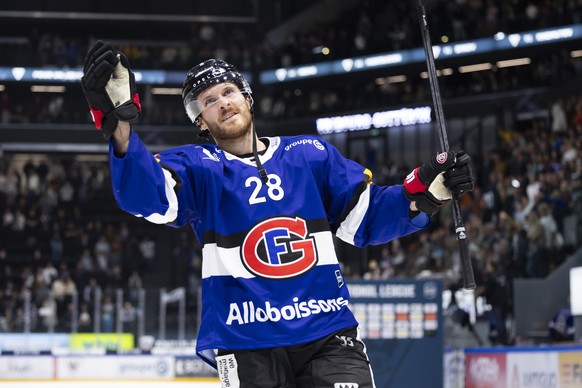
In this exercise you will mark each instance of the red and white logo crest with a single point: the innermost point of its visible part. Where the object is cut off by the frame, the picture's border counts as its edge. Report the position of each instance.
(441, 158)
(279, 248)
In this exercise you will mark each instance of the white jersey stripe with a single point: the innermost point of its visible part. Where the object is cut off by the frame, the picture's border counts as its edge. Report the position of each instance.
(172, 211)
(265, 157)
(359, 338)
(227, 262)
(349, 227)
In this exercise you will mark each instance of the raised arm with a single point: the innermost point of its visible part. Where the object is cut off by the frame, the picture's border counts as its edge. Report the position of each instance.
(120, 138)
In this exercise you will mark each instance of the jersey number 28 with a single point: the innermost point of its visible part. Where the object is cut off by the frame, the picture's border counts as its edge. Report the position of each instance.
(274, 189)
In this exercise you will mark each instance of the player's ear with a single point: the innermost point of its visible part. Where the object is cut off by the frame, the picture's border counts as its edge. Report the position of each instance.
(201, 124)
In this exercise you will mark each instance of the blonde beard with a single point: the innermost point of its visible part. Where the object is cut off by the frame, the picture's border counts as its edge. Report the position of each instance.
(232, 134)
(219, 133)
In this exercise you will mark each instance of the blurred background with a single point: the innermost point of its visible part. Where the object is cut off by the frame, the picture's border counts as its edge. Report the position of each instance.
(350, 71)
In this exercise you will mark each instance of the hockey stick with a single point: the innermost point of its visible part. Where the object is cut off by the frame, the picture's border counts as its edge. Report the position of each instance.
(466, 266)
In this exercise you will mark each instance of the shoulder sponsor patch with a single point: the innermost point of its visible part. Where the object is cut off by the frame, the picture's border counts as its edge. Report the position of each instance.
(314, 142)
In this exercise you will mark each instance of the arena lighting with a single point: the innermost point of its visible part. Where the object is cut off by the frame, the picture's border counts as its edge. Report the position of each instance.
(57, 74)
(321, 50)
(443, 72)
(382, 119)
(513, 62)
(167, 91)
(475, 67)
(515, 183)
(297, 72)
(576, 53)
(396, 79)
(391, 79)
(47, 89)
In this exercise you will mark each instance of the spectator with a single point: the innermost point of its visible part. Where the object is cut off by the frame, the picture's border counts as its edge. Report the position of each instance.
(519, 247)
(496, 290)
(536, 243)
(48, 312)
(86, 261)
(559, 121)
(553, 240)
(107, 315)
(59, 292)
(147, 247)
(85, 320)
(134, 285)
(102, 252)
(128, 317)
(49, 274)
(91, 292)
(56, 244)
(561, 326)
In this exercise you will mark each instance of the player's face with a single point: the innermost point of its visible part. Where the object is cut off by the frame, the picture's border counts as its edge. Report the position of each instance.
(225, 111)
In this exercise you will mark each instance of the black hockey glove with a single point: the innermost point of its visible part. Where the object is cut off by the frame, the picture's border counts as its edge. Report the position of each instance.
(425, 184)
(459, 179)
(109, 86)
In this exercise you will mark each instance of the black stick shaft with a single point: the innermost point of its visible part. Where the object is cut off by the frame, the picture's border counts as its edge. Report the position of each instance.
(466, 266)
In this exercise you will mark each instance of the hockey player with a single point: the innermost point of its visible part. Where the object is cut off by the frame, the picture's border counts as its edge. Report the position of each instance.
(274, 301)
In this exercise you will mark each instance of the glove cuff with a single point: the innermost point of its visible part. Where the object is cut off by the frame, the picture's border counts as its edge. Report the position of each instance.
(413, 182)
(109, 125)
(129, 111)
(425, 202)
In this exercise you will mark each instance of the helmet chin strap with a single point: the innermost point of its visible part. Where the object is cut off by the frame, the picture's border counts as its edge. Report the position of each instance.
(262, 172)
(205, 134)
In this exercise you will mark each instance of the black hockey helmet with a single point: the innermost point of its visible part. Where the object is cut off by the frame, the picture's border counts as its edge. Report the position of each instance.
(206, 74)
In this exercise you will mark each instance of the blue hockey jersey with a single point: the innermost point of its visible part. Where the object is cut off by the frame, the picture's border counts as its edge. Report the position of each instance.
(270, 275)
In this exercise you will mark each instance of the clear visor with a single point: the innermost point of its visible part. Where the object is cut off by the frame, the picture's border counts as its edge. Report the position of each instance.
(196, 106)
(192, 108)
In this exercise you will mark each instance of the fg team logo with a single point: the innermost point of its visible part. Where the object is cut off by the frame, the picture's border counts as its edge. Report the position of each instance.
(279, 248)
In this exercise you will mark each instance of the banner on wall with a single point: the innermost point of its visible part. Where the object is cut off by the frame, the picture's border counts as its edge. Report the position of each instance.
(454, 368)
(523, 367)
(401, 325)
(115, 367)
(532, 369)
(485, 370)
(107, 341)
(32, 342)
(26, 367)
(570, 369)
(192, 366)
